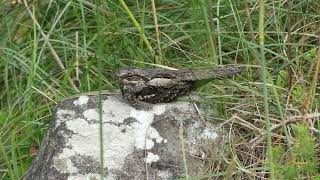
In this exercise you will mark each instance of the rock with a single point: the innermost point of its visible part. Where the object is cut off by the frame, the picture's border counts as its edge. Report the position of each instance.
(136, 144)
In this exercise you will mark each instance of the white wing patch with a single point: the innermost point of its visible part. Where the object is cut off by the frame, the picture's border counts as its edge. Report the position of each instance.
(164, 82)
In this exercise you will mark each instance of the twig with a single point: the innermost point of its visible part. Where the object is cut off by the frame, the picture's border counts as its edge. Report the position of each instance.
(53, 52)
(250, 26)
(197, 109)
(307, 102)
(93, 6)
(289, 27)
(291, 120)
(138, 27)
(146, 153)
(77, 56)
(212, 26)
(155, 20)
(212, 46)
(248, 125)
(44, 94)
(183, 150)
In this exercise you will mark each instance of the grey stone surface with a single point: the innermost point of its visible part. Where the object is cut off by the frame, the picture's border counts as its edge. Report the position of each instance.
(137, 144)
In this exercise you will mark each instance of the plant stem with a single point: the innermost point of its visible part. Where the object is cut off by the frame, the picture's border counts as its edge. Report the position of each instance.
(138, 27)
(263, 73)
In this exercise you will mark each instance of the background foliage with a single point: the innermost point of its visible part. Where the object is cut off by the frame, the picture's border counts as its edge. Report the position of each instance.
(50, 50)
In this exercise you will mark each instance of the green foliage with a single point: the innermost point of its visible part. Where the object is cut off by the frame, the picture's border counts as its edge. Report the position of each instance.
(282, 79)
(301, 160)
(298, 93)
(98, 37)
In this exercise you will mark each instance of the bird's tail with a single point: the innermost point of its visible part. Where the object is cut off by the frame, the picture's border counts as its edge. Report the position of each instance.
(219, 72)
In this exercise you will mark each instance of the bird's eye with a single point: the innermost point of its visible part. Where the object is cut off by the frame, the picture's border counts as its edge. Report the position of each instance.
(135, 78)
(124, 74)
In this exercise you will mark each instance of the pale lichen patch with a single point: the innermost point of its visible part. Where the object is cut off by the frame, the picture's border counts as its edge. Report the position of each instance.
(64, 115)
(164, 174)
(91, 114)
(86, 141)
(152, 158)
(159, 109)
(145, 134)
(81, 101)
(118, 144)
(115, 111)
(209, 134)
(89, 176)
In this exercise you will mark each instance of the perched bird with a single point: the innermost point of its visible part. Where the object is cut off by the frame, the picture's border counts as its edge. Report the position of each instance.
(143, 87)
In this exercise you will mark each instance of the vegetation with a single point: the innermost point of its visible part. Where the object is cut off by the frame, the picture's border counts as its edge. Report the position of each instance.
(50, 50)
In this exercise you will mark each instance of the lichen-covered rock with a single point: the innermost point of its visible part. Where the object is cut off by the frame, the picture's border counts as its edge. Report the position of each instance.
(162, 143)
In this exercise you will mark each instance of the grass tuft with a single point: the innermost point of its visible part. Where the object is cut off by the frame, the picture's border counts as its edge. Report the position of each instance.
(51, 50)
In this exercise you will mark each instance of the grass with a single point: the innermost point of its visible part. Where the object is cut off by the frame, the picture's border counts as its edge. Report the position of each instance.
(51, 50)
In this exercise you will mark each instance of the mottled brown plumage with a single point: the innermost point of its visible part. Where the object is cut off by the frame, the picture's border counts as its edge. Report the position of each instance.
(142, 87)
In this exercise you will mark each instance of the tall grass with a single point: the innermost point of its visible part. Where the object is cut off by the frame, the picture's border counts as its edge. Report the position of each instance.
(51, 50)
(263, 74)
